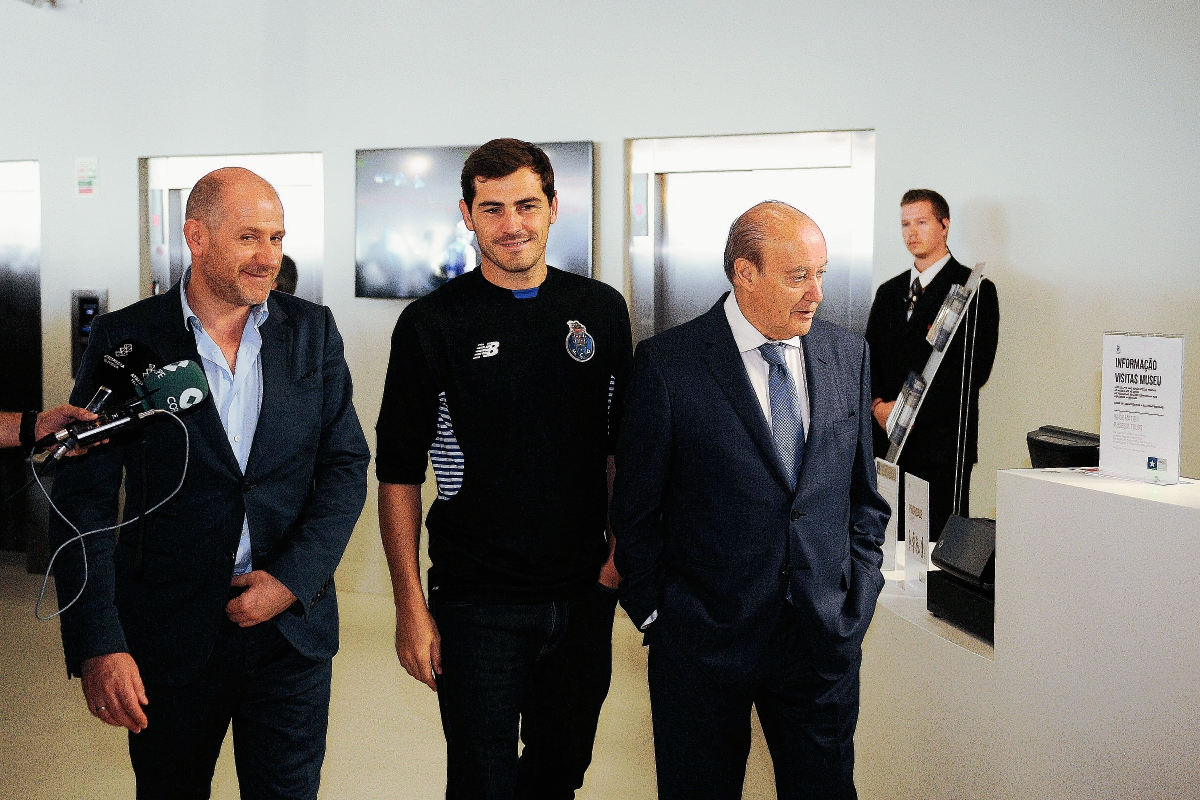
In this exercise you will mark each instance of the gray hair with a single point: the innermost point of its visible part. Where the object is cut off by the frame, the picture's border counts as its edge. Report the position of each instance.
(749, 231)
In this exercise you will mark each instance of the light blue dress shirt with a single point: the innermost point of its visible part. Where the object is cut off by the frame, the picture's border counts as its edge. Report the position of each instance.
(238, 395)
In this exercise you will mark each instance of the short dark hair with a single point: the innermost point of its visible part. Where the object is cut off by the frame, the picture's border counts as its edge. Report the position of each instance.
(748, 232)
(204, 201)
(288, 276)
(941, 208)
(500, 158)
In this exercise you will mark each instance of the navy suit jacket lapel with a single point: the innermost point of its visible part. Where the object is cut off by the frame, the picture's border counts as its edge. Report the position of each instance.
(727, 367)
(819, 377)
(176, 342)
(276, 355)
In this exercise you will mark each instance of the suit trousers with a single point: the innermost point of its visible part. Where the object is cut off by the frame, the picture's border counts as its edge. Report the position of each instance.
(702, 727)
(539, 671)
(278, 702)
(941, 495)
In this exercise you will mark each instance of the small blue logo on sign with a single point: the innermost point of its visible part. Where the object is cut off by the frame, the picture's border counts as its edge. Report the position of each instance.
(580, 344)
(1151, 463)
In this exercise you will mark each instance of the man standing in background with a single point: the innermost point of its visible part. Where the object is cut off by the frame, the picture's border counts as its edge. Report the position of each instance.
(944, 438)
(510, 377)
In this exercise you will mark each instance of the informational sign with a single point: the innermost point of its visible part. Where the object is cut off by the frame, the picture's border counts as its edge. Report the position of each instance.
(916, 533)
(87, 171)
(1141, 407)
(889, 487)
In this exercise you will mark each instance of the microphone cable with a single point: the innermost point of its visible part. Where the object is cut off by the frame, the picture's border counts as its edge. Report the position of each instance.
(47, 463)
(79, 537)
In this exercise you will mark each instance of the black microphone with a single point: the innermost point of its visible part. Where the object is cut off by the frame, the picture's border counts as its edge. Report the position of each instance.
(120, 373)
(174, 388)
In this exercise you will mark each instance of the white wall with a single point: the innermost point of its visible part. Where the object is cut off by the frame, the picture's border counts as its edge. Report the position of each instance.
(1062, 134)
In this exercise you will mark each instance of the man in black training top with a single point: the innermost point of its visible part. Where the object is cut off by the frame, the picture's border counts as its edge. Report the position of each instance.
(510, 377)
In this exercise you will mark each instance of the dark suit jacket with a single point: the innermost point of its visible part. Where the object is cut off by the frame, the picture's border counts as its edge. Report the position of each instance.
(703, 515)
(303, 490)
(898, 347)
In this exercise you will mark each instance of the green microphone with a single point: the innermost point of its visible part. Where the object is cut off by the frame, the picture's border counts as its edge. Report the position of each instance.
(175, 387)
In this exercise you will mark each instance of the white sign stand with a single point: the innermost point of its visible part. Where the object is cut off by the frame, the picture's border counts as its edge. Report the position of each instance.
(889, 487)
(1141, 407)
(916, 534)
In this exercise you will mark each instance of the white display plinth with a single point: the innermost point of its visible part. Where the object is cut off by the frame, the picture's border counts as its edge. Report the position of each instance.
(1091, 689)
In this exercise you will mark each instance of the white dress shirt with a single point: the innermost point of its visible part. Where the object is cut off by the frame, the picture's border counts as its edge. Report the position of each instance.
(748, 340)
(929, 273)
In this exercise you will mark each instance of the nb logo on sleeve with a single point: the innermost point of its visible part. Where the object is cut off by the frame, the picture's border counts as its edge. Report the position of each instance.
(486, 350)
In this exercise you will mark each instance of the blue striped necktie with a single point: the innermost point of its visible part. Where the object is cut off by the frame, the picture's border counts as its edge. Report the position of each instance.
(787, 426)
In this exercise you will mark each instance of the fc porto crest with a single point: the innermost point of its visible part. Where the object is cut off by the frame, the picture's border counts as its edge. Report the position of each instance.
(580, 344)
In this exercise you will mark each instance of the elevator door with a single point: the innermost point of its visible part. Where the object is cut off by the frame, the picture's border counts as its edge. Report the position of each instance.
(699, 207)
(686, 192)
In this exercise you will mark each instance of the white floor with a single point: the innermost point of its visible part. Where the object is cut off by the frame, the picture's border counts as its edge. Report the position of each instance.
(385, 738)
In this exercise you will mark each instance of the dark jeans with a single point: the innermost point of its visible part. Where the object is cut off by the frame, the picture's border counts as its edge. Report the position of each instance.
(537, 671)
(278, 702)
(702, 728)
(941, 495)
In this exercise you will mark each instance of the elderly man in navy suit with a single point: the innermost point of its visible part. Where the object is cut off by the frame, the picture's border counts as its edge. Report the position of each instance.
(748, 524)
(219, 607)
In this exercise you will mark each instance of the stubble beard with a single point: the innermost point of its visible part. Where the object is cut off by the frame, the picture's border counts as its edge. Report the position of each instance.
(512, 267)
(232, 292)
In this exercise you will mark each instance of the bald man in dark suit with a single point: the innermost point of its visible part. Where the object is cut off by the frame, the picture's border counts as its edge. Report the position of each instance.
(748, 525)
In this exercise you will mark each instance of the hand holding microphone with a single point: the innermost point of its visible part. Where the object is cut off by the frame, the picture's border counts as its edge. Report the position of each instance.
(119, 375)
(52, 419)
(174, 388)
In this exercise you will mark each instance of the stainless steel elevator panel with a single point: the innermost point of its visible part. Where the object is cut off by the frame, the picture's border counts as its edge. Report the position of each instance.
(20, 285)
(20, 333)
(696, 187)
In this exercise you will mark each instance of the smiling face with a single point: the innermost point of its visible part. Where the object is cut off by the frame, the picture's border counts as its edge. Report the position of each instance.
(779, 297)
(924, 234)
(237, 249)
(511, 218)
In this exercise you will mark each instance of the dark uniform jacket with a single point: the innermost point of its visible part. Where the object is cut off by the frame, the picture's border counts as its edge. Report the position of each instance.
(898, 347)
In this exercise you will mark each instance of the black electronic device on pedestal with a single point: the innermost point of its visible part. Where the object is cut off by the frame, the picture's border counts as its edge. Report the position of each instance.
(1050, 446)
(963, 590)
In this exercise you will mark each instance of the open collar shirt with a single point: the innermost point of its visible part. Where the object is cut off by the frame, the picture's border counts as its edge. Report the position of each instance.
(238, 395)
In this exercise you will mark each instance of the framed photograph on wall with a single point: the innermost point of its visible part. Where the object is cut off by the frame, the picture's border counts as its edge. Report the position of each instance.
(409, 236)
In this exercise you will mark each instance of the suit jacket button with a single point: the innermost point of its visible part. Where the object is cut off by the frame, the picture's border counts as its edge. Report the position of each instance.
(232, 556)
(797, 515)
(246, 487)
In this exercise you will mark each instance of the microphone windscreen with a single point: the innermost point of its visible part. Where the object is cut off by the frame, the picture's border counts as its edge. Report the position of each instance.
(123, 368)
(176, 386)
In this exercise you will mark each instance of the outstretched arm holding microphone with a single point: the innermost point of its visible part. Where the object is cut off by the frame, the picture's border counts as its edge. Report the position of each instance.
(23, 429)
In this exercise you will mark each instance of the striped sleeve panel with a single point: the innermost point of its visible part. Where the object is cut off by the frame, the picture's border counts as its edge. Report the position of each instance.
(446, 455)
(612, 387)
